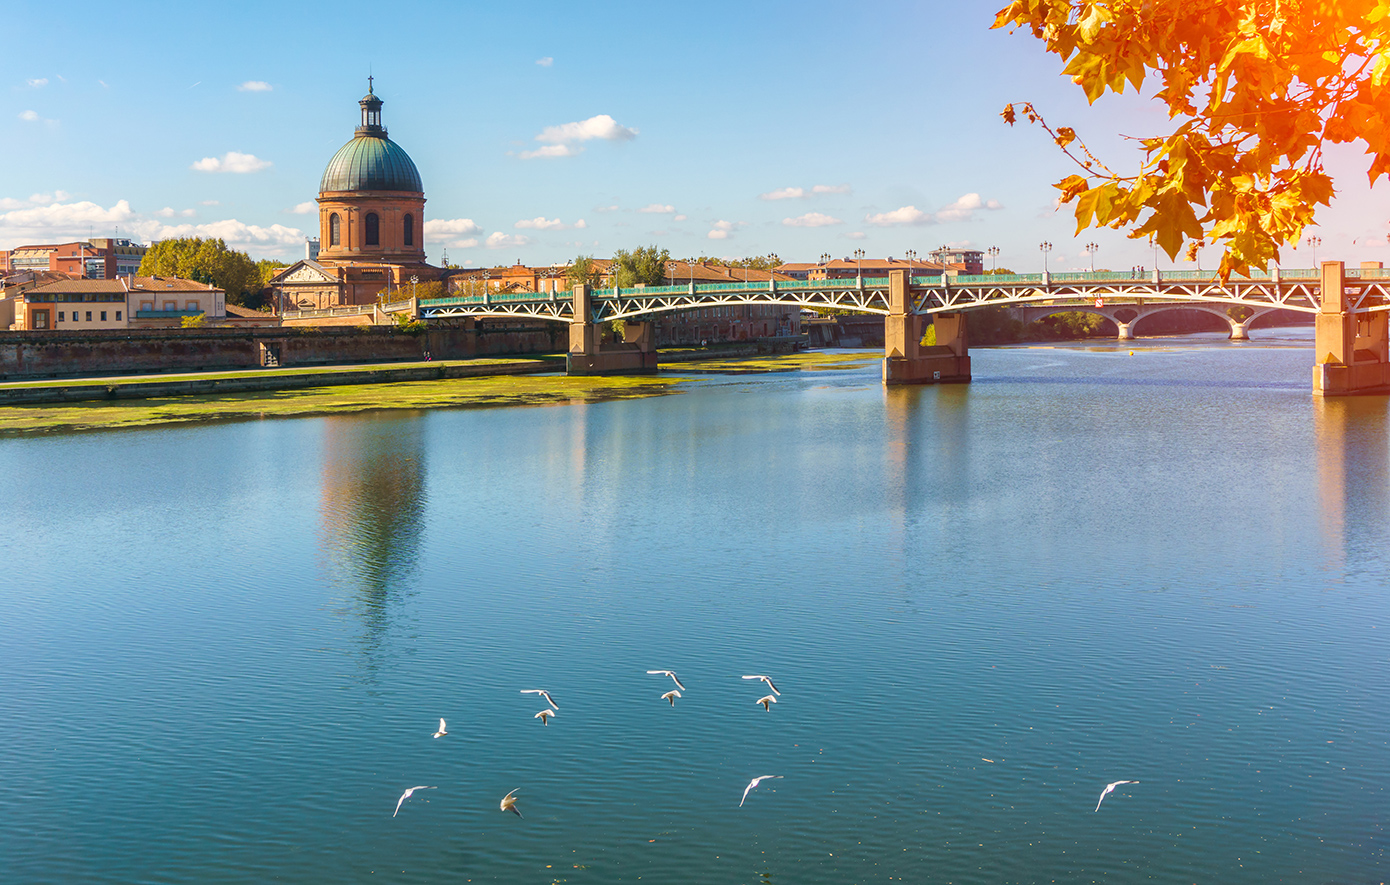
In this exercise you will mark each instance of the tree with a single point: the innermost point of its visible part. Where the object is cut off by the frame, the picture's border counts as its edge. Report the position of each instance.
(645, 265)
(755, 262)
(207, 261)
(1256, 88)
(582, 271)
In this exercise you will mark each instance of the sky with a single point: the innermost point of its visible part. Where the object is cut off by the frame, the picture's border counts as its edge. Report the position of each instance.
(544, 130)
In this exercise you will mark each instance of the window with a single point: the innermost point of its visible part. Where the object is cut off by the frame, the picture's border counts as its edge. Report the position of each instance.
(40, 319)
(103, 316)
(191, 305)
(89, 316)
(168, 305)
(409, 230)
(147, 305)
(371, 230)
(60, 316)
(118, 316)
(335, 229)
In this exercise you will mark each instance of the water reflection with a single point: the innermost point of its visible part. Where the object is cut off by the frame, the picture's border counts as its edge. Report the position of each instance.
(1353, 474)
(373, 511)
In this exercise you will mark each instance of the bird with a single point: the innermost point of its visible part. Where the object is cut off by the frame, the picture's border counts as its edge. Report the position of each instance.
(667, 673)
(543, 693)
(441, 732)
(509, 803)
(767, 701)
(1110, 788)
(671, 696)
(753, 783)
(406, 795)
(768, 681)
(544, 716)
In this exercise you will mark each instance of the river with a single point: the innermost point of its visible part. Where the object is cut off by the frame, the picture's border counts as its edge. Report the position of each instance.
(225, 646)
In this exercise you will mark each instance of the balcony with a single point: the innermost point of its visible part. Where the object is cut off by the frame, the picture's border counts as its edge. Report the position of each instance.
(165, 314)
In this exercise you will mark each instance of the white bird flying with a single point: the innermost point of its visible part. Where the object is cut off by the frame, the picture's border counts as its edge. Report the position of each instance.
(753, 783)
(768, 681)
(671, 696)
(509, 802)
(767, 701)
(406, 795)
(543, 693)
(441, 732)
(667, 673)
(544, 716)
(1110, 788)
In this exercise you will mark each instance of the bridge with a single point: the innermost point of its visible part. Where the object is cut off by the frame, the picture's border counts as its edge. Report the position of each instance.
(1350, 308)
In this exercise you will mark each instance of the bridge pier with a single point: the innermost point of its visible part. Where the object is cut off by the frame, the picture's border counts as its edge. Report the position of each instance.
(905, 360)
(1126, 330)
(1353, 349)
(1240, 331)
(592, 350)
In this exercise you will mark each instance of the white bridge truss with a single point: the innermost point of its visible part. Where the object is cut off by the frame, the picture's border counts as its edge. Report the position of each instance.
(1368, 291)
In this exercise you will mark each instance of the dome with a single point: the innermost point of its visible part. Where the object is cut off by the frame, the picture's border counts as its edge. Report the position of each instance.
(371, 163)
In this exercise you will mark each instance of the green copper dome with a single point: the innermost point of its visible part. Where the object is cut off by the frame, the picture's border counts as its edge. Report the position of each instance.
(371, 161)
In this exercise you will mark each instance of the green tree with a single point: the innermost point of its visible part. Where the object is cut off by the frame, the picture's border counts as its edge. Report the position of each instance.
(645, 265)
(207, 261)
(755, 262)
(582, 271)
(194, 322)
(1255, 88)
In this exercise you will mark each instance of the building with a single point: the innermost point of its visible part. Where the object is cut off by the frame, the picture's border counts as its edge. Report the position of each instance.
(100, 258)
(165, 301)
(72, 305)
(371, 226)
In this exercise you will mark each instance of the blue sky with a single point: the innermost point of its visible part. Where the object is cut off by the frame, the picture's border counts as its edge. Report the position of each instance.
(547, 129)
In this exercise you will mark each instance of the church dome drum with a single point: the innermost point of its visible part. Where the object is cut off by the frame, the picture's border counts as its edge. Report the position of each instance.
(371, 163)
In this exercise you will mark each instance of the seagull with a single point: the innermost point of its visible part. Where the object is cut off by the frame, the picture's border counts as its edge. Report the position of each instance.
(406, 795)
(509, 803)
(441, 732)
(767, 701)
(1110, 788)
(753, 783)
(667, 673)
(543, 693)
(768, 681)
(671, 696)
(544, 716)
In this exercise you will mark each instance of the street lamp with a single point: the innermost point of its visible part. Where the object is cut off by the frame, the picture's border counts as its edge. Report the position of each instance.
(1045, 247)
(993, 257)
(1092, 249)
(1315, 242)
(911, 259)
(858, 262)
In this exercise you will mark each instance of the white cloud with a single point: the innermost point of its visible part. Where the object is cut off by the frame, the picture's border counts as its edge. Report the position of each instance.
(46, 199)
(856, 235)
(468, 243)
(170, 212)
(541, 223)
(237, 234)
(658, 209)
(442, 227)
(784, 193)
(602, 127)
(255, 86)
(718, 235)
(545, 62)
(499, 240)
(308, 207)
(723, 229)
(232, 161)
(680, 218)
(56, 220)
(580, 224)
(612, 208)
(38, 83)
(551, 151)
(905, 215)
(811, 219)
(29, 116)
(798, 193)
(210, 203)
(963, 209)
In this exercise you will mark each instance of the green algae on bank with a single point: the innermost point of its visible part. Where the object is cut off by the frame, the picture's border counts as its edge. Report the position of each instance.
(803, 361)
(502, 390)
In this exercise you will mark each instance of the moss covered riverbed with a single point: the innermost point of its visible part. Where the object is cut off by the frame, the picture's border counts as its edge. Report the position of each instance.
(504, 390)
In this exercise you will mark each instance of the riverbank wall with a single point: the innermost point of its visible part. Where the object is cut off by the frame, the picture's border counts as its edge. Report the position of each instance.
(26, 355)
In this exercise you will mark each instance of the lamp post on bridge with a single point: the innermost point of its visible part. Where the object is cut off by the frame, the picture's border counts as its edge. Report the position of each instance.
(993, 258)
(911, 260)
(1091, 250)
(1315, 242)
(858, 263)
(1045, 247)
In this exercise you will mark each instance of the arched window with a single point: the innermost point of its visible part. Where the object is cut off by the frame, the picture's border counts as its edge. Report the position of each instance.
(409, 230)
(372, 230)
(335, 230)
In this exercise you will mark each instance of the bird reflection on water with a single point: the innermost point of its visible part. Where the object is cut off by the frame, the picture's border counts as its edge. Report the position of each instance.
(373, 511)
